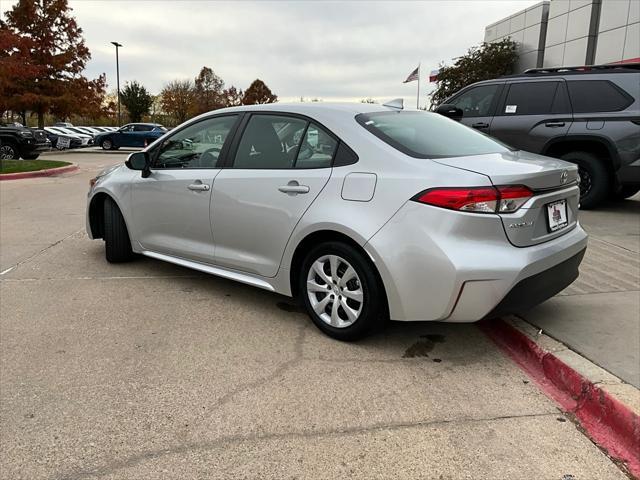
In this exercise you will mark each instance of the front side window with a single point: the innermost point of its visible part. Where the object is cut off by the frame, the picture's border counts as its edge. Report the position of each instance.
(477, 101)
(127, 128)
(530, 98)
(270, 142)
(428, 135)
(197, 146)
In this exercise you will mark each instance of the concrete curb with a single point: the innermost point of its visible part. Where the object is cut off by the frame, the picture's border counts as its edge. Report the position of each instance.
(39, 173)
(609, 422)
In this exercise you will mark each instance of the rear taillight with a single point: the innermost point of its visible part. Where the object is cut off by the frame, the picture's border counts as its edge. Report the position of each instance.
(505, 199)
(512, 198)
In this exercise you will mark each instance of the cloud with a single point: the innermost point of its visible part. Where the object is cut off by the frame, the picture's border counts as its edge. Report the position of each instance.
(332, 50)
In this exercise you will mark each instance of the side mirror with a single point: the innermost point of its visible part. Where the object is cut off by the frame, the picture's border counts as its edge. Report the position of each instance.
(450, 111)
(139, 161)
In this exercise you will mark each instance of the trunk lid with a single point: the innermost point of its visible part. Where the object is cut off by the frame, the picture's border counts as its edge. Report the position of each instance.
(518, 168)
(551, 180)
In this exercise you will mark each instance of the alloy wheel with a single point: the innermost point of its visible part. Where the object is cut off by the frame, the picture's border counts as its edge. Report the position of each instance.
(7, 152)
(585, 181)
(106, 144)
(335, 291)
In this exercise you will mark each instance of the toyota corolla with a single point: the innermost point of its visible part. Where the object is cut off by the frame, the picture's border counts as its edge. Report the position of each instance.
(363, 212)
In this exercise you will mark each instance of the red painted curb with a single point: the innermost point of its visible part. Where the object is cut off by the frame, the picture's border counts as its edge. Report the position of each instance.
(610, 423)
(39, 173)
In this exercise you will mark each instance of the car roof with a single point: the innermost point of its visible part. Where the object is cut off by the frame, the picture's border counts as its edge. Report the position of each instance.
(310, 108)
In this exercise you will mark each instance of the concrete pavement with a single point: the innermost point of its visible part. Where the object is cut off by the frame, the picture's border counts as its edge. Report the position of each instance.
(148, 370)
(599, 315)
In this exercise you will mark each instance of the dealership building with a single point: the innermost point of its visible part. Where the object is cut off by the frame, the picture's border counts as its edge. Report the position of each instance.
(572, 32)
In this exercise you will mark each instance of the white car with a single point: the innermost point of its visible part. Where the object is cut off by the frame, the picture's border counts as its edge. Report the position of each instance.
(85, 139)
(364, 212)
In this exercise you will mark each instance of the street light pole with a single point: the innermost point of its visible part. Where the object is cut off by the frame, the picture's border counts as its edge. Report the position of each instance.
(117, 45)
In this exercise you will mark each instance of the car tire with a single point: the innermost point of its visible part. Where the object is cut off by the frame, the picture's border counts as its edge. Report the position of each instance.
(31, 156)
(8, 151)
(116, 236)
(625, 191)
(350, 319)
(595, 181)
(106, 144)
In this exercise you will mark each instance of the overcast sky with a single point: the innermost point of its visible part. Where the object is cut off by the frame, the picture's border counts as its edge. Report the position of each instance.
(327, 49)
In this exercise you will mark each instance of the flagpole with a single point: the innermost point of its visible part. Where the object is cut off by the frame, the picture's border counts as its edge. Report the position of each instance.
(418, 95)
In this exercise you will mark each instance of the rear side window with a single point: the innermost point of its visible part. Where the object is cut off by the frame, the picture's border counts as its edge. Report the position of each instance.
(270, 142)
(317, 149)
(530, 98)
(597, 96)
(428, 135)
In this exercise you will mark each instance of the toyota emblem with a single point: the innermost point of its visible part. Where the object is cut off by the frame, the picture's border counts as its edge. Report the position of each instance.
(564, 176)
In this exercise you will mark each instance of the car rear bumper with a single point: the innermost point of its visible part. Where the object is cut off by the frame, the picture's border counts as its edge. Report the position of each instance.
(537, 288)
(437, 264)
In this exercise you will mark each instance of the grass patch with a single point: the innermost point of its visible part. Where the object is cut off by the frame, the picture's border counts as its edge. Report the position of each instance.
(16, 166)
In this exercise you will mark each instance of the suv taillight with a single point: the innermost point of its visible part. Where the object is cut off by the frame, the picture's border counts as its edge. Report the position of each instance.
(504, 199)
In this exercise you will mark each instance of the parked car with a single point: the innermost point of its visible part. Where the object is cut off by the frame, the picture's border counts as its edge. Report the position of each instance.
(63, 124)
(86, 139)
(17, 142)
(589, 116)
(88, 130)
(131, 135)
(69, 140)
(357, 209)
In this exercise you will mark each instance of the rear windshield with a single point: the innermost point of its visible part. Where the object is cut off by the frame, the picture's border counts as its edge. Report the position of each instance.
(428, 135)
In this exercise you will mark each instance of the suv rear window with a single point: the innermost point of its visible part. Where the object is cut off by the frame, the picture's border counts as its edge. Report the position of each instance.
(597, 96)
(428, 135)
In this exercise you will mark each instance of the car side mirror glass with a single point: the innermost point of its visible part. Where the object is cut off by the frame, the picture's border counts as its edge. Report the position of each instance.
(139, 161)
(451, 111)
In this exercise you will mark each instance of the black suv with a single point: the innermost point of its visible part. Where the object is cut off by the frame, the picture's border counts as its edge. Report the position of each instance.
(17, 141)
(589, 116)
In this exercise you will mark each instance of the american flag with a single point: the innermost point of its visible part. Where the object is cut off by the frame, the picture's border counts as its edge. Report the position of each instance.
(413, 76)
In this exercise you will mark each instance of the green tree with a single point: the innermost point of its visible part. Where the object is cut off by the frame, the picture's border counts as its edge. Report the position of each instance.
(50, 51)
(137, 100)
(258, 93)
(484, 62)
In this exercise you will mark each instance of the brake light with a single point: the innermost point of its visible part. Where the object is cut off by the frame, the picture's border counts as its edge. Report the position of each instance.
(513, 197)
(505, 199)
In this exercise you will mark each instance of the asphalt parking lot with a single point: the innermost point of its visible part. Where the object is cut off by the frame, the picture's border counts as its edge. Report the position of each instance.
(148, 370)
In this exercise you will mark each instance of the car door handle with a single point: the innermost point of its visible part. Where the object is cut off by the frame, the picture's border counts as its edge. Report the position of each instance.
(293, 188)
(480, 125)
(554, 124)
(199, 187)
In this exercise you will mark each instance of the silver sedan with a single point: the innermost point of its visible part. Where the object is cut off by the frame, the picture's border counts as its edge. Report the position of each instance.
(363, 212)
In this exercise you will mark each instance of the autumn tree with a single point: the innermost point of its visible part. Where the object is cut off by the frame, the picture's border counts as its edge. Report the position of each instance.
(232, 97)
(487, 61)
(15, 66)
(208, 91)
(136, 99)
(50, 54)
(178, 99)
(258, 93)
